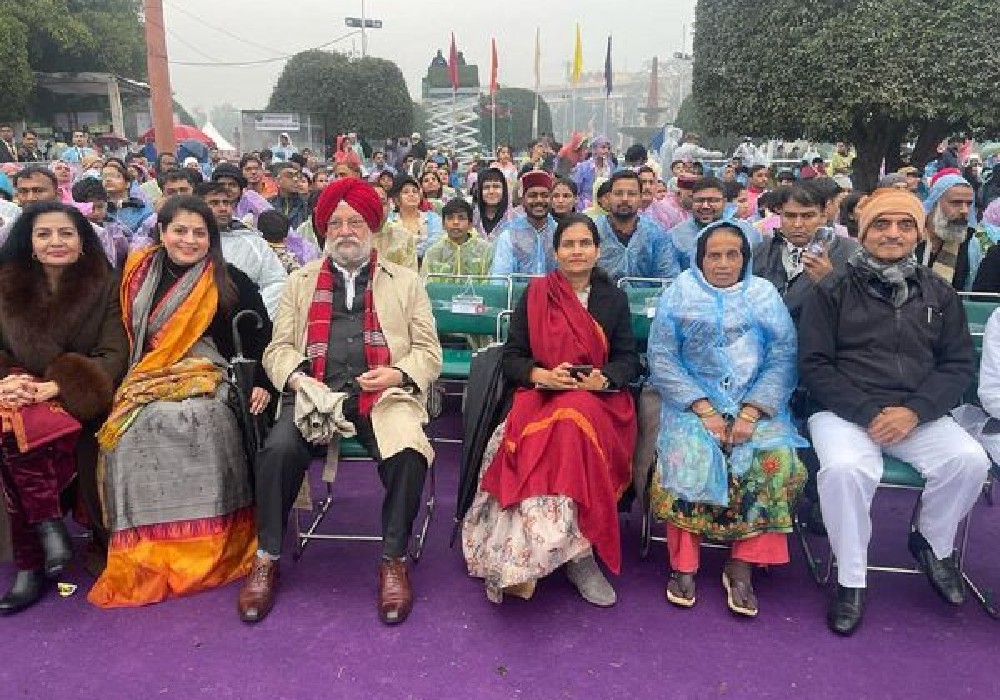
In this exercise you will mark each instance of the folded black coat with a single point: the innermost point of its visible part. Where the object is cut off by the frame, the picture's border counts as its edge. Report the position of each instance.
(488, 399)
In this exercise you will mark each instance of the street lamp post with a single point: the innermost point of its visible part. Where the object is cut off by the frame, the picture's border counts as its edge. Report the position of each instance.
(363, 23)
(364, 34)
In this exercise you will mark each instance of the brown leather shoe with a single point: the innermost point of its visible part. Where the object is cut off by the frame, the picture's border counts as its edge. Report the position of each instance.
(395, 599)
(259, 590)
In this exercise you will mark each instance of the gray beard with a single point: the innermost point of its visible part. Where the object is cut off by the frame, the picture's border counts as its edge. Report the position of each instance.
(350, 262)
(947, 230)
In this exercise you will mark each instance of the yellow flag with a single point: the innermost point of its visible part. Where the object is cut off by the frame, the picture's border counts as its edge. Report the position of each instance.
(577, 58)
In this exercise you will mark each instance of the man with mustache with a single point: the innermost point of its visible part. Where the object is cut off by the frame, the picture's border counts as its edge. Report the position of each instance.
(525, 245)
(361, 327)
(885, 354)
(949, 248)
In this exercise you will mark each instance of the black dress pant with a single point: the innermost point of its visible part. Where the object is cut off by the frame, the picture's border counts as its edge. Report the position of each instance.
(282, 463)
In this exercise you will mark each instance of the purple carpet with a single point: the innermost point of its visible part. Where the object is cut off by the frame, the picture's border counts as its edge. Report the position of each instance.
(324, 640)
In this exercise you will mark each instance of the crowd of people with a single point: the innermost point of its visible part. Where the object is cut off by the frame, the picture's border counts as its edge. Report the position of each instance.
(805, 330)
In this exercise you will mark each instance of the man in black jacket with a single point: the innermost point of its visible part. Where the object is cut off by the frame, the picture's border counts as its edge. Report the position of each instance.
(885, 353)
(794, 260)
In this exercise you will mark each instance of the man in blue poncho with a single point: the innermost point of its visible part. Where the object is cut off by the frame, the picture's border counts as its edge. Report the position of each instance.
(525, 245)
(633, 245)
(708, 205)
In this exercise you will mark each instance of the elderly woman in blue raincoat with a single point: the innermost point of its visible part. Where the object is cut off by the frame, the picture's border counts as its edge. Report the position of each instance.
(722, 355)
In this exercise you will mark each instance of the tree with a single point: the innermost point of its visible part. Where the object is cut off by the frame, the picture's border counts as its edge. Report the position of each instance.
(873, 72)
(226, 119)
(66, 35)
(366, 95)
(515, 112)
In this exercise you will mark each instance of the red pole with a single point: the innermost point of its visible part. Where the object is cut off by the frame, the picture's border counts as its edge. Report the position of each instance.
(161, 97)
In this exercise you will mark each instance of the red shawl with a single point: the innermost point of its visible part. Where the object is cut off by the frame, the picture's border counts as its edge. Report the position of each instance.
(569, 443)
(318, 329)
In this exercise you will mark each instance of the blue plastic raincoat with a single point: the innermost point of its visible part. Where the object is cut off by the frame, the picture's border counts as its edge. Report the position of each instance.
(731, 346)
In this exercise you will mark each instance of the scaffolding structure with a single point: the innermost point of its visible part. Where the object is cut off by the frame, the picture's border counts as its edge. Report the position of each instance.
(453, 121)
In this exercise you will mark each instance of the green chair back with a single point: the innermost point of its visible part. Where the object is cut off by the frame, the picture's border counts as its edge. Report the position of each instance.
(454, 321)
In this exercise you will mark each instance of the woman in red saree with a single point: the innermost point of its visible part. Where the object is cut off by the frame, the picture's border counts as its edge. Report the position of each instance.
(558, 465)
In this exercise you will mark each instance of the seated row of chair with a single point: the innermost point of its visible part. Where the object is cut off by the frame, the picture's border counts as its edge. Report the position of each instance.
(354, 351)
(883, 353)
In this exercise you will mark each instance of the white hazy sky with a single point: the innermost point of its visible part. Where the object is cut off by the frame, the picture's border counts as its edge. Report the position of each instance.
(412, 32)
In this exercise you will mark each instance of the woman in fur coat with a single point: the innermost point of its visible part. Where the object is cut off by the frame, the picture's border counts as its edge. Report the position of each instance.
(62, 344)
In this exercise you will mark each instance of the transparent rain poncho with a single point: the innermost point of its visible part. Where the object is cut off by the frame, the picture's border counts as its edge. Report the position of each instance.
(730, 346)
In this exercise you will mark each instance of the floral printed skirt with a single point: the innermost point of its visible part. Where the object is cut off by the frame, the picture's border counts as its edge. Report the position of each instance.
(521, 544)
(762, 500)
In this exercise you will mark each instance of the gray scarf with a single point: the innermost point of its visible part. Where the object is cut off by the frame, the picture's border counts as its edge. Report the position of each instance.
(893, 275)
(148, 321)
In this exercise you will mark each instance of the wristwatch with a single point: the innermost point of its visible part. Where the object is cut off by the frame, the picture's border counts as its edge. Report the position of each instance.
(293, 375)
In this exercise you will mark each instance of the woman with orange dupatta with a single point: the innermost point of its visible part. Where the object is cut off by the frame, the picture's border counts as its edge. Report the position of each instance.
(177, 497)
(560, 462)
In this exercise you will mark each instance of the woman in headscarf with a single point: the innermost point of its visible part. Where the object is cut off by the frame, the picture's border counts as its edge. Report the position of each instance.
(62, 346)
(491, 203)
(989, 228)
(177, 494)
(554, 471)
(722, 353)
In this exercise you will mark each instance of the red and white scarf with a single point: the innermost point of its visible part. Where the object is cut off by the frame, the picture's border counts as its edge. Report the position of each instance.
(318, 329)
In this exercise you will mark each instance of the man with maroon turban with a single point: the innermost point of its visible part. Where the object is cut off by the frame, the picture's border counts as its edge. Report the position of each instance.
(358, 331)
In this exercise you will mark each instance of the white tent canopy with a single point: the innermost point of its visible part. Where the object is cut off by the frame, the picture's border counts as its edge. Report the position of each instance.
(211, 132)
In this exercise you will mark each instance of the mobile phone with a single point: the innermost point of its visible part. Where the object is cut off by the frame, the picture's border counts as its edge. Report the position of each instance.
(579, 372)
(821, 241)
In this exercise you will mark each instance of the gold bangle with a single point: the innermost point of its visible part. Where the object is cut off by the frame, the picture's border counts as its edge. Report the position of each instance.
(747, 417)
(706, 413)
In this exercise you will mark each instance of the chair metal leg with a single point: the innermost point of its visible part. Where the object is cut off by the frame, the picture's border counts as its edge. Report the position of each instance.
(646, 528)
(302, 539)
(819, 570)
(983, 596)
(417, 543)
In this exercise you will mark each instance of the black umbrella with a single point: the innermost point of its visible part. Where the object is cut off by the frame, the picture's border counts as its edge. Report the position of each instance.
(488, 397)
(242, 371)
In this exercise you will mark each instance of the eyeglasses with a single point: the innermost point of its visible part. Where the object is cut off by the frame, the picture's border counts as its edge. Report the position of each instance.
(698, 201)
(353, 225)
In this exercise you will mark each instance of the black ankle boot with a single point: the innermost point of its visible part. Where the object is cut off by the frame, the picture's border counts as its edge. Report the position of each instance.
(56, 544)
(29, 588)
(846, 610)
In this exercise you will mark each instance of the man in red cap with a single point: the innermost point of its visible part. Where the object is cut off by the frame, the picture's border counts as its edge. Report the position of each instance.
(525, 245)
(360, 327)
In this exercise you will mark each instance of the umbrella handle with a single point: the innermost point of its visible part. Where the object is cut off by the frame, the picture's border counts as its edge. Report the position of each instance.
(237, 319)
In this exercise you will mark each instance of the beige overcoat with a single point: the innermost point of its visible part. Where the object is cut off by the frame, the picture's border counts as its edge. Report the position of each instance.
(404, 312)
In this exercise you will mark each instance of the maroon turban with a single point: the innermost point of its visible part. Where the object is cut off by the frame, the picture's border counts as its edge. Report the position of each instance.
(361, 197)
(536, 178)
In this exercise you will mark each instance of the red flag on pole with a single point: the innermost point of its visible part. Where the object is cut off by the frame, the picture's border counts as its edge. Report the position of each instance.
(494, 84)
(453, 63)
